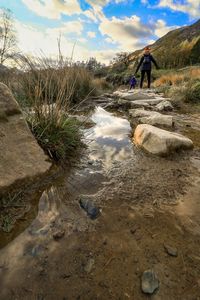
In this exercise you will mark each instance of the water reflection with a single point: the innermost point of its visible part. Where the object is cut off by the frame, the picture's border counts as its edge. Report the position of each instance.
(109, 138)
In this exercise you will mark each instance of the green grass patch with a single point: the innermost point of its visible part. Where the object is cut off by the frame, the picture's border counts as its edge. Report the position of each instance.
(60, 137)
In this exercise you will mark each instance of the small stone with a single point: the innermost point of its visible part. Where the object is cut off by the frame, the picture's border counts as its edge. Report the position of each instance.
(88, 267)
(134, 228)
(171, 250)
(149, 282)
(58, 235)
(92, 211)
(65, 276)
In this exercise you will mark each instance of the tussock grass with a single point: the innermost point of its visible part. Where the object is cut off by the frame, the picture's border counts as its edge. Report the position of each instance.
(52, 90)
(49, 92)
(182, 85)
(178, 77)
(102, 85)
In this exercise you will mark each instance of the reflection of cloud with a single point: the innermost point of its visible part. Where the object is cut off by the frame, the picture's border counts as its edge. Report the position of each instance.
(109, 126)
(109, 153)
(110, 138)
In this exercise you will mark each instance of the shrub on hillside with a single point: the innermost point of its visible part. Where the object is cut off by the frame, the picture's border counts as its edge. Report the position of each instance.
(192, 93)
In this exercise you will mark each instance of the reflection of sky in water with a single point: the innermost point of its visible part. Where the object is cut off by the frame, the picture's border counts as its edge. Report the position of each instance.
(109, 138)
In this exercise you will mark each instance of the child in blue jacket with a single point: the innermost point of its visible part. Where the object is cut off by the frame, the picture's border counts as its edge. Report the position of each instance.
(133, 82)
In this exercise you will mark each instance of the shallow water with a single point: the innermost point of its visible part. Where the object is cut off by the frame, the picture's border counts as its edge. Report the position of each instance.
(108, 142)
(109, 139)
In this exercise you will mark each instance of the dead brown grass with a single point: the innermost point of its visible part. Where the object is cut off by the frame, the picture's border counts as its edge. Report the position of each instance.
(178, 77)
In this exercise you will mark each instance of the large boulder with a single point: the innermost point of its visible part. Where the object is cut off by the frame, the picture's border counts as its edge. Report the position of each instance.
(21, 157)
(159, 141)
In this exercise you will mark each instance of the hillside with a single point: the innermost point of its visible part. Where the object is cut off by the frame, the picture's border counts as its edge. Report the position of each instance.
(178, 48)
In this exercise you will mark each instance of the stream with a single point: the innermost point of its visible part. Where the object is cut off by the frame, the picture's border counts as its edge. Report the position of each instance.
(144, 201)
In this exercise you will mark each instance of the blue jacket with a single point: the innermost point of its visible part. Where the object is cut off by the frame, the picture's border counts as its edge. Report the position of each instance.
(133, 81)
(145, 63)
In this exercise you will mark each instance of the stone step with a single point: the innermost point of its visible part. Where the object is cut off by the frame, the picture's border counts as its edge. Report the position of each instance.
(152, 117)
(158, 141)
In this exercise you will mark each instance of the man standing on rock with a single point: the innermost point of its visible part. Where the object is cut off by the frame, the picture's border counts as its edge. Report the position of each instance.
(145, 64)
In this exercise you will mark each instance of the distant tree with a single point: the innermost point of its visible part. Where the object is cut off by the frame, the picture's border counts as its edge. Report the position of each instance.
(92, 64)
(8, 39)
(122, 58)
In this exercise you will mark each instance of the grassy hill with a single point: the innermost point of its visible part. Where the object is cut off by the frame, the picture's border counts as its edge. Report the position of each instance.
(177, 49)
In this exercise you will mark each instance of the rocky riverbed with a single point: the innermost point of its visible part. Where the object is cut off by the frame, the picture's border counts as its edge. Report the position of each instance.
(123, 225)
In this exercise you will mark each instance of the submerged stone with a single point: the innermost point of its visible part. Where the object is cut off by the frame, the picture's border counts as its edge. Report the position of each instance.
(91, 209)
(58, 234)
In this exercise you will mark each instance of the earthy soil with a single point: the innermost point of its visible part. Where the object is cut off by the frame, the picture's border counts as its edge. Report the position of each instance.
(146, 203)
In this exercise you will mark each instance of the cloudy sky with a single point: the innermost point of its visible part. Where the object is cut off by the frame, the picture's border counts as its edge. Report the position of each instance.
(97, 28)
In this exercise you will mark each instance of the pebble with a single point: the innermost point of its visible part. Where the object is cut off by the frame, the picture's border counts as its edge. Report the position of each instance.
(171, 250)
(88, 267)
(92, 211)
(58, 235)
(149, 282)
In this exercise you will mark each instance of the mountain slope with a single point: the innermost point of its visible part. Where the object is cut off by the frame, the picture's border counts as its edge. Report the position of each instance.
(178, 48)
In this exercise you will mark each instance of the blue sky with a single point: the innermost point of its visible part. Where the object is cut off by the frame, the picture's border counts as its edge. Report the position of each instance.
(98, 28)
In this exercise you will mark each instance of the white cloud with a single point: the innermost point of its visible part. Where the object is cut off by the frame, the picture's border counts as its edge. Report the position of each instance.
(191, 7)
(66, 28)
(34, 40)
(129, 33)
(91, 34)
(82, 40)
(105, 55)
(161, 28)
(95, 13)
(109, 40)
(53, 9)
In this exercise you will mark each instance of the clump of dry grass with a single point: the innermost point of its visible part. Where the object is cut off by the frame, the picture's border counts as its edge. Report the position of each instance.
(178, 77)
(52, 89)
(102, 85)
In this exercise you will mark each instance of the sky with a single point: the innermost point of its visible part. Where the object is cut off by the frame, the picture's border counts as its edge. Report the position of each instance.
(96, 28)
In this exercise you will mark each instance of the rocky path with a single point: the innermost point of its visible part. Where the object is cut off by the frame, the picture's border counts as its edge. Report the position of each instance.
(125, 224)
